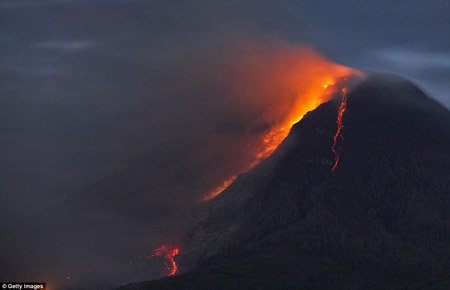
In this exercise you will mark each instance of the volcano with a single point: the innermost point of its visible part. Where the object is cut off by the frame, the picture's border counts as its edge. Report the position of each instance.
(379, 220)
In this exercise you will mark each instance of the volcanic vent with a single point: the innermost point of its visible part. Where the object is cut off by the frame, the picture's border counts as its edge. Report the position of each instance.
(380, 220)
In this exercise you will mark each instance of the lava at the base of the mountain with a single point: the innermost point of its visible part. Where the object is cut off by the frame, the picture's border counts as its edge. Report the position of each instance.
(167, 253)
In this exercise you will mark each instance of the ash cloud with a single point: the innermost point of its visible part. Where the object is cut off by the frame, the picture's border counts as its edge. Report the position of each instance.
(116, 117)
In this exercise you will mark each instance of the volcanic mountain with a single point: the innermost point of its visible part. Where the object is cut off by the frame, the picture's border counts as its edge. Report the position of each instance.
(380, 220)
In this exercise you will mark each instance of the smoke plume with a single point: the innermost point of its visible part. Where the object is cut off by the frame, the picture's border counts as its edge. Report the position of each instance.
(142, 112)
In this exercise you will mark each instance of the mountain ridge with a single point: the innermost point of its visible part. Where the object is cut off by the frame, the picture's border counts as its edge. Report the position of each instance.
(380, 220)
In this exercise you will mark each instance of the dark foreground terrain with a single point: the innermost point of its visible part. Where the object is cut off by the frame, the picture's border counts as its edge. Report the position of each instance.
(381, 220)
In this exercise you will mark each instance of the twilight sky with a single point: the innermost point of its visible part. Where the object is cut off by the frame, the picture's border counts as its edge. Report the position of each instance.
(90, 87)
(409, 38)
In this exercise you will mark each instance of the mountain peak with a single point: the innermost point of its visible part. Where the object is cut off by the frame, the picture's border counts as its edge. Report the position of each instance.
(381, 219)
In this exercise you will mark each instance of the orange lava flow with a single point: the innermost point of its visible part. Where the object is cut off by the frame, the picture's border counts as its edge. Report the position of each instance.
(284, 86)
(275, 88)
(167, 253)
(222, 187)
(341, 111)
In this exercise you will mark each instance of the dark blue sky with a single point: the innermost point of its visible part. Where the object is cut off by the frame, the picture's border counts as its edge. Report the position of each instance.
(409, 38)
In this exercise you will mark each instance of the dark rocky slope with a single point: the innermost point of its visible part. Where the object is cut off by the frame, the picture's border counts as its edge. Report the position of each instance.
(381, 220)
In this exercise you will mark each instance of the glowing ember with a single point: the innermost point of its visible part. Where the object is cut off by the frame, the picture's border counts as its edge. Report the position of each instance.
(167, 253)
(341, 111)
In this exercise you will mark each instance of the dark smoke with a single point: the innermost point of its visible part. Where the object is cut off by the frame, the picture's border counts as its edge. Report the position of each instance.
(115, 127)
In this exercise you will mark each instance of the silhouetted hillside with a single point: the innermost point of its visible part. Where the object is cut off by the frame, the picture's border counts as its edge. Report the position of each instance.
(381, 220)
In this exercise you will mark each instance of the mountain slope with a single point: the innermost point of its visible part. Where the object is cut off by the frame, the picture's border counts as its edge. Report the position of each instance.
(381, 220)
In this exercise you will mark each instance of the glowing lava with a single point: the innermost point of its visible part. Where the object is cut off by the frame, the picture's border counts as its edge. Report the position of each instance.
(318, 94)
(167, 253)
(341, 111)
(281, 86)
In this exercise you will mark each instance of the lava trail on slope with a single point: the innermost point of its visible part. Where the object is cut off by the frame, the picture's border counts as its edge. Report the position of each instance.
(312, 83)
(340, 126)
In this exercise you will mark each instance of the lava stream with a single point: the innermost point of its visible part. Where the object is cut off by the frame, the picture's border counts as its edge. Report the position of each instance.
(167, 253)
(341, 111)
(277, 88)
(318, 93)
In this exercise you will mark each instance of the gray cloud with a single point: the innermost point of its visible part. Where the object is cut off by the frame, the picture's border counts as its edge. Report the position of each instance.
(12, 4)
(414, 60)
(65, 46)
(126, 90)
(414, 37)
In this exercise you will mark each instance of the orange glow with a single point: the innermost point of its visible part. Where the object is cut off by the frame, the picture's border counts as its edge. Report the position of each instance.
(289, 85)
(167, 253)
(223, 186)
(341, 111)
